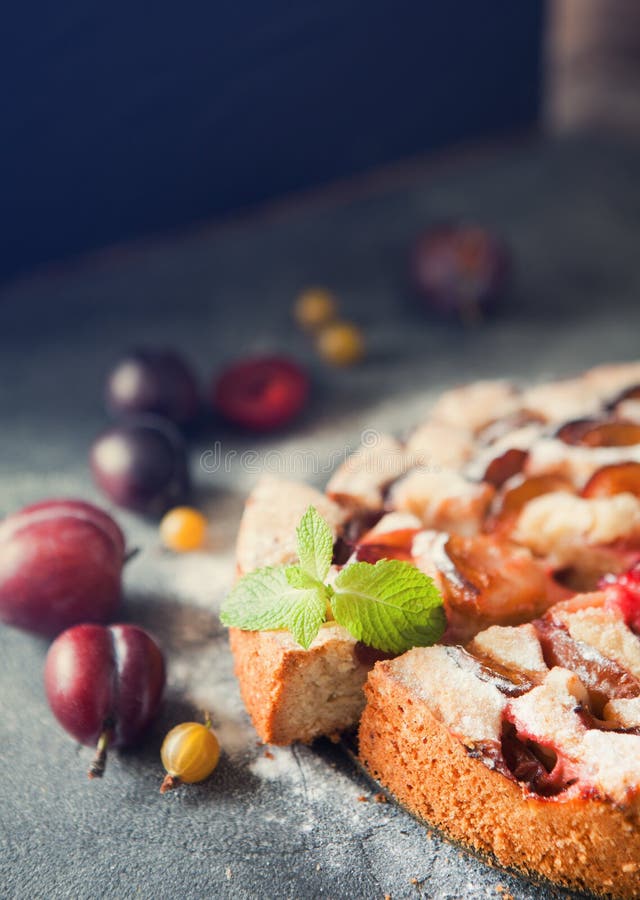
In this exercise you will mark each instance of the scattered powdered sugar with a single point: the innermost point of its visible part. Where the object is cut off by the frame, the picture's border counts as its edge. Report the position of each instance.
(198, 579)
(305, 773)
(279, 765)
(231, 722)
(205, 676)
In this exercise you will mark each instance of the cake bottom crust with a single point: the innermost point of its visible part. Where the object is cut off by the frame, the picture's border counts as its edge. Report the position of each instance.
(584, 844)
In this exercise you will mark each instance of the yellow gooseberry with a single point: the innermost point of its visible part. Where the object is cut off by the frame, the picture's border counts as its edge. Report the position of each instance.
(190, 752)
(341, 344)
(314, 308)
(183, 529)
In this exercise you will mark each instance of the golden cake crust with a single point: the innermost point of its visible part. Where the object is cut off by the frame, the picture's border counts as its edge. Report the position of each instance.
(585, 844)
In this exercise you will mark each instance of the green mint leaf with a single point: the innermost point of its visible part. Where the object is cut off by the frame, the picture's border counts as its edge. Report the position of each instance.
(259, 601)
(298, 578)
(264, 600)
(391, 606)
(306, 616)
(315, 544)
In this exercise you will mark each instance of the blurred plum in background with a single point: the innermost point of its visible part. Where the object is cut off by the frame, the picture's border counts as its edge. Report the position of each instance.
(460, 270)
(261, 394)
(153, 381)
(141, 464)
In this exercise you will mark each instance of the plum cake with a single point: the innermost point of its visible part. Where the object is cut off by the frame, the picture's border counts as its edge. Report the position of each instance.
(511, 499)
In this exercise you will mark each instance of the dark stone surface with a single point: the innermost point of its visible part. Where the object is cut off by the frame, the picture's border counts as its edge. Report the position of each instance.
(290, 826)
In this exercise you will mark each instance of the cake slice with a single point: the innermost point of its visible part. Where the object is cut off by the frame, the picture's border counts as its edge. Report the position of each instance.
(294, 694)
(524, 745)
(290, 693)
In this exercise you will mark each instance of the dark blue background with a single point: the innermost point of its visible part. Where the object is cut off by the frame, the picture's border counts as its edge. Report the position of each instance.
(122, 118)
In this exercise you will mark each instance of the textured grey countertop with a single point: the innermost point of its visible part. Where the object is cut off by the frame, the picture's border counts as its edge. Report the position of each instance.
(291, 826)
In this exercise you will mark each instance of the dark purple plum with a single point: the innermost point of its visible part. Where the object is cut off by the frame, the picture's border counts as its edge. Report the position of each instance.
(153, 381)
(60, 563)
(104, 685)
(141, 464)
(460, 271)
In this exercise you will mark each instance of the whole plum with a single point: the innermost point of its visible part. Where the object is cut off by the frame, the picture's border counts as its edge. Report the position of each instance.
(460, 271)
(104, 685)
(141, 464)
(153, 381)
(60, 563)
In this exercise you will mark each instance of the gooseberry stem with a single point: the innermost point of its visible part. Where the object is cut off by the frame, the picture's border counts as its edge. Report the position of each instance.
(207, 720)
(170, 782)
(99, 764)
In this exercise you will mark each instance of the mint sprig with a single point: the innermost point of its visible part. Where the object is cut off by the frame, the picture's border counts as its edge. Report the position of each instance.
(391, 605)
(315, 544)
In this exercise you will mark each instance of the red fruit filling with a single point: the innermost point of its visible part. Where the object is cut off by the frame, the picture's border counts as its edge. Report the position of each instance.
(392, 545)
(604, 678)
(594, 433)
(620, 478)
(509, 681)
(539, 768)
(622, 594)
(631, 393)
(503, 467)
(369, 656)
(514, 500)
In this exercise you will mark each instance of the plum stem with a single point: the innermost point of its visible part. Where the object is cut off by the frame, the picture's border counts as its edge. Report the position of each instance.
(99, 764)
(130, 554)
(170, 782)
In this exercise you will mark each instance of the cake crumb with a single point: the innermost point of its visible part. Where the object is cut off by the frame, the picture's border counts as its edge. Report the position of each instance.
(387, 897)
(269, 754)
(501, 889)
(380, 798)
(317, 867)
(363, 799)
(228, 873)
